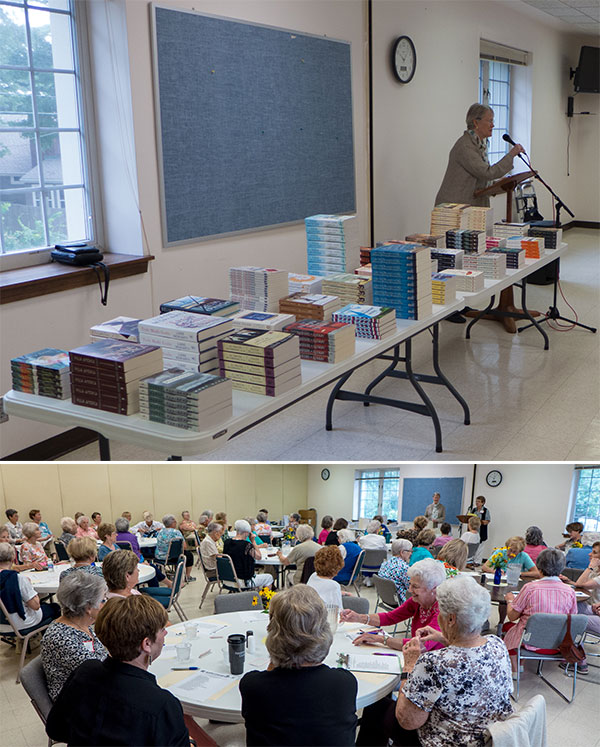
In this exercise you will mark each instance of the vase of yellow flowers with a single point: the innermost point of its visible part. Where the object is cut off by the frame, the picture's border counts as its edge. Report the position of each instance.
(498, 560)
(266, 595)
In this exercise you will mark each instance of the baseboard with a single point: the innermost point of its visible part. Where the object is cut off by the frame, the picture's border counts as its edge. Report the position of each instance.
(581, 224)
(55, 447)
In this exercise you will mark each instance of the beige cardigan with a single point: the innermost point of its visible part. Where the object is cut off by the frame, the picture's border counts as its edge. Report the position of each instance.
(467, 172)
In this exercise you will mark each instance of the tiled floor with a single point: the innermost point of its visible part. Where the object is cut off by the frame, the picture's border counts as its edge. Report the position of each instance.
(568, 724)
(526, 403)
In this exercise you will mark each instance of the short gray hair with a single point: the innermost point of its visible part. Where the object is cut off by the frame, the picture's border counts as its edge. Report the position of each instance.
(77, 592)
(169, 519)
(241, 526)
(261, 516)
(429, 571)
(465, 598)
(304, 532)
(373, 526)
(30, 528)
(534, 536)
(67, 523)
(83, 518)
(7, 553)
(121, 525)
(147, 515)
(550, 562)
(476, 111)
(345, 535)
(213, 526)
(298, 631)
(398, 545)
(295, 516)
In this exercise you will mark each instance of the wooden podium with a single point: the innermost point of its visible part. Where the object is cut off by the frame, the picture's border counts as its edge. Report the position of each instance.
(506, 302)
(463, 519)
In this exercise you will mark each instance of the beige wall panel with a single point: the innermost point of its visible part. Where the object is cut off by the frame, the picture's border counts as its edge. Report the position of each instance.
(295, 481)
(84, 488)
(269, 489)
(172, 489)
(240, 490)
(208, 488)
(3, 505)
(131, 489)
(28, 486)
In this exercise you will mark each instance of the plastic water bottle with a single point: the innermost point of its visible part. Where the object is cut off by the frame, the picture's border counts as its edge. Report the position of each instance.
(50, 564)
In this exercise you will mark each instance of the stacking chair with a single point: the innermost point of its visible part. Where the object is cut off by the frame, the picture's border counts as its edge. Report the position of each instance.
(33, 680)
(266, 538)
(209, 576)
(472, 551)
(373, 560)
(173, 553)
(387, 596)
(307, 570)
(573, 573)
(434, 549)
(124, 545)
(172, 602)
(61, 550)
(356, 572)
(11, 637)
(357, 604)
(199, 558)
(547, 631)
(245, 600)
(227, 578)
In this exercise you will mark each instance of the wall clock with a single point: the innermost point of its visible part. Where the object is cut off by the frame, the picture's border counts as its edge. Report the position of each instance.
(404, 59)
(325, 474)
(493, 478)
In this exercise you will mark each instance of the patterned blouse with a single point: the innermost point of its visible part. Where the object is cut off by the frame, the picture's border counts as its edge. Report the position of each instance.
(33, 553)
(162, 541)
(94, 569)
(64, 648)
(397, 571)
(463, 690)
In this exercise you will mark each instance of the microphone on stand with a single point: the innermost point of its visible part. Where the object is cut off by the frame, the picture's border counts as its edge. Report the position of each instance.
(508, 139)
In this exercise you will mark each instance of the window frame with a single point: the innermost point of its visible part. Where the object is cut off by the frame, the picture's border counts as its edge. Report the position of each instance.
(485, 97)
(577, 475)
(359, 477)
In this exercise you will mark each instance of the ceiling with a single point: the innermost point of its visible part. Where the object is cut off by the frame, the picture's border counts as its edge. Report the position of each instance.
(583, 15)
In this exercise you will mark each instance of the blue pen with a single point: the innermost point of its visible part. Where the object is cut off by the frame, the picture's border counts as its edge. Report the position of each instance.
(370, 632)
(183, 669)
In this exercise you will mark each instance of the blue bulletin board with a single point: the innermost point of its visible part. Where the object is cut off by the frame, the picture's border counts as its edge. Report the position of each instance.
(254, 125)
(417, 494)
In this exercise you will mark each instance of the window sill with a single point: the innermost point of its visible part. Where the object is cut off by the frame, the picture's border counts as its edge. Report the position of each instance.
(40, 280)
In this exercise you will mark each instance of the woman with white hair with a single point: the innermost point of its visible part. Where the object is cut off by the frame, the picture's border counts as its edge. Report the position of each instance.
(244, 553)
(69, 527)
(350, 552)
(148, 526)
(396, 568)
(32, 550)
(306, 548)
(324, 699)
(163, 539)
(84, 529)
(372, 540)
(262, 525)
(425, 576)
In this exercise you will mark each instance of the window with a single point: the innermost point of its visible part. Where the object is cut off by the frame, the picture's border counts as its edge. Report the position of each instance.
(587, 498)
(44, 194)
(494, 90)
(377, 492)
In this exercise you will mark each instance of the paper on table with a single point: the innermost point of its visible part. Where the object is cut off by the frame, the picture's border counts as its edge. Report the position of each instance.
(252, 615)
(210, 628)
(203, 684)
(172, 678)
(581, 594)
(383, 664)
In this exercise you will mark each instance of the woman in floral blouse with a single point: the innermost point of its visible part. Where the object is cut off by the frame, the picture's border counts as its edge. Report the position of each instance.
(32, 550)
(396, 568)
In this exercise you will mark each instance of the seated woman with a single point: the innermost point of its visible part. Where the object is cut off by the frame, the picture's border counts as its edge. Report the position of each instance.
(305, 548)
(372, 539)
(187, 527)
(332, 537)
(32, 550)
(122, 575)
(436, 699)
(590, 581)
(244, 553)
(84, 551)
(350, 551)
(396, 568)
(262, 525)
(289, 533)
(514, 553)
(326, 525)
(69, 530)
(108, 534)
(252, 521)
(124, 534)
(298, 640)
(454, 557)
(117, 701)
(471, 536)
(328, 562)
(383, 530)
(534, 542)
(84, 529)
(546, 594)
(422, 544)
(574, 530)
(19, 597)
(221, 518)
(163, 539)
(445, 535)
(70, 639)
(425, 576)
(419, 523)
(17, 565)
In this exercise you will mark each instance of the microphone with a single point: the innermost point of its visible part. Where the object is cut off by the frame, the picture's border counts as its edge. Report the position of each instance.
(508, 139)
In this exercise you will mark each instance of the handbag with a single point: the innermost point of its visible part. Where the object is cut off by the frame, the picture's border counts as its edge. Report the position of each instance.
(81, 255)
(570, 652)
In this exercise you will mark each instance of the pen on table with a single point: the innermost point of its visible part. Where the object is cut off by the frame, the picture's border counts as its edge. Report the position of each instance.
(382, 654)
(183, 669)
(370, 632)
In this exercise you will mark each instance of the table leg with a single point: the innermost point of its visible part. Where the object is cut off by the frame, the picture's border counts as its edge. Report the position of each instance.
(442, 376)
(502, 313)
(104, 447)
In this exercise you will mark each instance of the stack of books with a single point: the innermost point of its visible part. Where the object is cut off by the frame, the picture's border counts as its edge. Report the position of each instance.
(188, 341)
(264, 320)
(443, 288)
(183, 399)
(402, 279)
(365, 255)
(331, 243)
(257, 288)
(329, 342)
(265, 363)
(304, 283)
(504, 230)
(447, 259)
(370, 322)
(468, 281)
(120, 328)
(201, 305)
(515, 257)
(45, 372)
(349, 288)
(472, 242)
(365, 270)
(448, 216)
(311, 306)
(106, 374)
(532, 245)
(491, 242)
(426, 239)
(493, 265)
(552, 236)
(479, 218)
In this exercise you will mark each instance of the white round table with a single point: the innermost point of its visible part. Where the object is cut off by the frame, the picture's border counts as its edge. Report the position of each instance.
(225, 704)
(146, 541)
(46, 582)
(269, 557)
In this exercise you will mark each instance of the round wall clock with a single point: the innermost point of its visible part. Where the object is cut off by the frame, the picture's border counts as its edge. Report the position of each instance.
(493, 478)
(325, 474)
(404, 59)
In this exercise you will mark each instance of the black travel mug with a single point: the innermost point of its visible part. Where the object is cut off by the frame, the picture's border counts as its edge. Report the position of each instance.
(237, 652)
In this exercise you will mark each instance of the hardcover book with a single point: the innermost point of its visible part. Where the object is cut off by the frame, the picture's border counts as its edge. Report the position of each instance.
(201, 305)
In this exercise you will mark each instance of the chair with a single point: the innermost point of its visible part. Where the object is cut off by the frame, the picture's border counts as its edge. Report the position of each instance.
(266, 538)
(174, 550)
(387, 596)
(573, 573)
(199, 558)
(209, 576)
(357, 604)
(16, 635)
(172, 603)
(356, 572)
(434, 550)
(547, 631)
(472, 548)
(373, 560)
(527, 728)
(33, 680)
(307, 570)
(245, 600)
(124, 545)
(61, 550)
(227, 577)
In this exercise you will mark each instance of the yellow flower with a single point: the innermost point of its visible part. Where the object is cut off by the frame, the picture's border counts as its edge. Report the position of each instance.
(255, 602)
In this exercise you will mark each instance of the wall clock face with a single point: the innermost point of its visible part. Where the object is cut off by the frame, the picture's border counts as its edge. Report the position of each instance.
(325, 473)
(404, 59)
(494, 478)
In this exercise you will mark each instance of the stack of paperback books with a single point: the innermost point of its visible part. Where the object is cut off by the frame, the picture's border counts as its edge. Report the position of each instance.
(492, 242)
(201, 305)
(265, 363)
(120, 328)
(365, 255)
(427, 239)
(331, 243)
(468, 281)
(552, 236)
(515, 258)
(402, 279)
(493, 265)
(311, 306)
(479, 218)
(532, 245)
(447, 259)
(349, 288)
(443, 288)
(472, 242)
(448, 216)
(106, 374)
(370, 322)
(304, 283)
(45, 372)
(188, 341)
(328, 342)
(365, 270)
(261, 320)
(504, 230)
(183, 399)
(257, 288)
